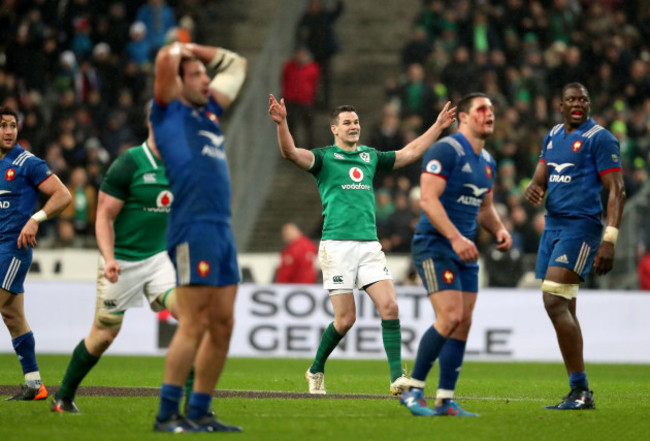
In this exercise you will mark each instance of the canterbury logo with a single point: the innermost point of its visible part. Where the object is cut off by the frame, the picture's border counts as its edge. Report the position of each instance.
(560, 167)
(478, 192)
(337, 279)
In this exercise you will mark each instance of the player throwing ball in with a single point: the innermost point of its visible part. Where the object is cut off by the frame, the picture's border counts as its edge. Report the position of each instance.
(350, 255)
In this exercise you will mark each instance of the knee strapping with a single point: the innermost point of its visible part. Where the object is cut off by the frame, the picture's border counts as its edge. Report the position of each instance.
(567, 290)
(108, 320)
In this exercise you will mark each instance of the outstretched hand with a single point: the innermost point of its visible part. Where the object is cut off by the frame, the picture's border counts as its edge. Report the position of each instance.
(277, 110)
(446, 116)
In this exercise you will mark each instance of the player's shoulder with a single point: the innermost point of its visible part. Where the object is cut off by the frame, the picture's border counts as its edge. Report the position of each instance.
(555, 130)
(598, 133)
(451, 143)
(25, 158)
(487, 157)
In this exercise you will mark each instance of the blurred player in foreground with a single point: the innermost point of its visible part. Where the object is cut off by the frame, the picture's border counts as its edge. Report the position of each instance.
(456, 193)
(185, 120)
(578, 159)
(350, 255)
(22, 176)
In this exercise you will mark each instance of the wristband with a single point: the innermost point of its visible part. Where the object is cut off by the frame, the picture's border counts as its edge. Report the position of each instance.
(39, 216)
(611, 234)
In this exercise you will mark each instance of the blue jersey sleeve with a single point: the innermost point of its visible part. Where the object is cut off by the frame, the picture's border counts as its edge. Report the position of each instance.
(440, 159)
(607, 152)
(37, 171)
(542, 155)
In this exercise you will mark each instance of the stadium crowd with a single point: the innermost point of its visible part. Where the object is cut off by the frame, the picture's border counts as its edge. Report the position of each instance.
(521, 54)
(80, 71)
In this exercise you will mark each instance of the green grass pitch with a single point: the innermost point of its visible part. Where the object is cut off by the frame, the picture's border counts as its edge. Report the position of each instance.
(508, 396)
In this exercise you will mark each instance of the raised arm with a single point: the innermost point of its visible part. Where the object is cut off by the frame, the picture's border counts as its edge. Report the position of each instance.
(432, 188)
(301, 157)
(489, 219)
(167, 84)
(230, 67)
(59, 198)
(415, 149)
(224, 87)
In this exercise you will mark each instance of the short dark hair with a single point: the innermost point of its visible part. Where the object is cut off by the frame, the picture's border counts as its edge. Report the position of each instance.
(334, 115)
(4, 110)
(574, 85)
(181, 65)
(466, 102)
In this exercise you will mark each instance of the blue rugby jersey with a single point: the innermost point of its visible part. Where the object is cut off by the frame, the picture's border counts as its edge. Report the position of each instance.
(575, 163)
(20, 175)
(469, 178)
(191, 144)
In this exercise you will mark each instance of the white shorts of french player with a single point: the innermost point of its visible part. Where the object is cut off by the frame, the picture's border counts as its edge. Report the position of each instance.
(567, 290)
(349, 264)
(149, 277)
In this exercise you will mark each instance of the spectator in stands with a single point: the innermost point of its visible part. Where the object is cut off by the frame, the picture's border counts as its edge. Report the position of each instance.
(316, 32)
(138, 48)
(300, 79)
(81, 212)
(417, 96)
(298, 258)
(158, 18)
(417, 49)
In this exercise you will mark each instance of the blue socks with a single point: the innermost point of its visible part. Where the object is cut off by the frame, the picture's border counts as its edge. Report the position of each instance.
(199, 405)
(430, 346)
(24, 345)
(578, 380)
(170, 398)
(451, 360)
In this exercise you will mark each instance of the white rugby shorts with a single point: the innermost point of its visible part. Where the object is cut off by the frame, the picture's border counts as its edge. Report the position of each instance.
(347, 264)
(151, 277)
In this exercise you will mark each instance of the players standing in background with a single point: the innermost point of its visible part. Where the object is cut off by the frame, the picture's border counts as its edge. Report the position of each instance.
(22, 176)
(456, 193)
(185, 120)
(350, 254)
(134, 203)
(578, 158)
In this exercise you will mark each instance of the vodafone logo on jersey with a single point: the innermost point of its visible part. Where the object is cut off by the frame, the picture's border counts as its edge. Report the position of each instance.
(10, 174)
(356, 174)
(164, 199)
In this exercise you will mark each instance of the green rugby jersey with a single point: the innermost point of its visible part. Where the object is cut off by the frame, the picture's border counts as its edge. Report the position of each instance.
(138, 178)
(345, 185)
